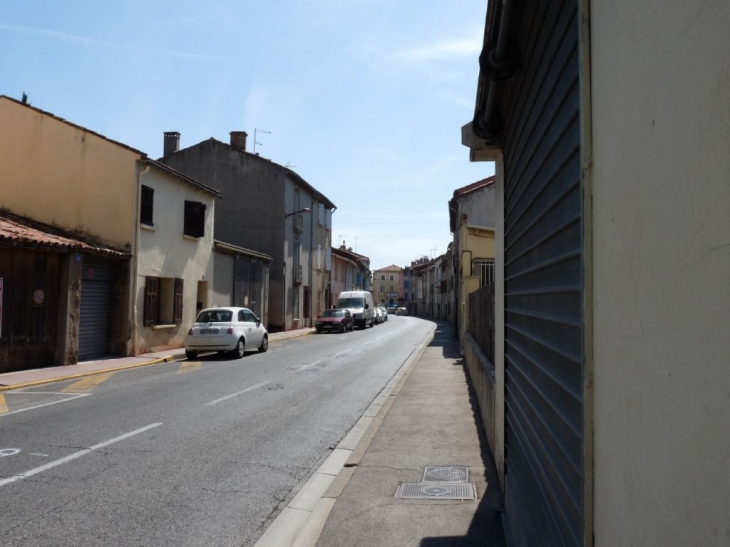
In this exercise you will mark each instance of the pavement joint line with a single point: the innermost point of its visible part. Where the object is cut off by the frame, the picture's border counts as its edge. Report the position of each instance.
(307, 534)
(157, 361)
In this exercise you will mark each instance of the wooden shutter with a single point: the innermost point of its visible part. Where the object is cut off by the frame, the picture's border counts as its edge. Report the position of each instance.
(194, 221)
(151, 306)
(178, 303)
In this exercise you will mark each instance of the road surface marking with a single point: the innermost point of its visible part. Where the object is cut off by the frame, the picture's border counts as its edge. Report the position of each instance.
(366, 343)
(237, 394)
(189, 366)
(75, 455)
(45, 404)
(305, 367)
(343, 352)
(9, 452)
(87, 384)
(36, 454)
(3, 405)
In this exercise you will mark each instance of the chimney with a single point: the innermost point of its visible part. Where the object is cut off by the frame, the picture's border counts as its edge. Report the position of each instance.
(238, 139)
(172, 143)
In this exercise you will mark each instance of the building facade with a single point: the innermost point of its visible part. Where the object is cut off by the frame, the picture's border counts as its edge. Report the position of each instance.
(350, 272)
(387, 286)
(608, 125)
(268, 209)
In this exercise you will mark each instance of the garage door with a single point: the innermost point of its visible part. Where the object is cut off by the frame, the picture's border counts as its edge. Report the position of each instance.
(96, 284)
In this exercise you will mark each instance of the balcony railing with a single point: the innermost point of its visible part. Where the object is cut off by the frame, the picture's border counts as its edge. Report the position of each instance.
(299, 223)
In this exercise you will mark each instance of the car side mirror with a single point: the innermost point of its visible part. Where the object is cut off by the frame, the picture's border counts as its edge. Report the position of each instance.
(258, 322)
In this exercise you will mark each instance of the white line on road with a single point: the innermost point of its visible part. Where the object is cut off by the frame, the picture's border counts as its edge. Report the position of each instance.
(305, 367)
(75, 455)
(46, 404)
(236, 394)
(366, 343)
(343, 352)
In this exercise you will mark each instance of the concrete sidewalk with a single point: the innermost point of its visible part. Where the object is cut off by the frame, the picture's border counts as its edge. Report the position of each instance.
(39, 376)
(426, 416)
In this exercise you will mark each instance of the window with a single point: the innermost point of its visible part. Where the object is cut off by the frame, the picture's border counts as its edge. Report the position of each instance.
(382, 288)
(163, 301)
(392, 277)
(194, 225)
(328, 219)
(295, 305)
(382, 277)
(146, 207)
(320, 213)
(319, 257)
(249, 316)
(391, 288)
(296, 251)
(485, 270)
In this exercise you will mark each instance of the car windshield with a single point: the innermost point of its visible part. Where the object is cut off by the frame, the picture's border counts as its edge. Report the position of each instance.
(333, 313)
(350, 303)
(215, 316)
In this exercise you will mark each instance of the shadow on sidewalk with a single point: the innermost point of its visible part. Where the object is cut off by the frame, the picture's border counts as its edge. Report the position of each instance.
(486, 528)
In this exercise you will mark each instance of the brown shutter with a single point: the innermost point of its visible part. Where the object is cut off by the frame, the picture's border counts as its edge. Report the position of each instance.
(151, 309)
(178, 304)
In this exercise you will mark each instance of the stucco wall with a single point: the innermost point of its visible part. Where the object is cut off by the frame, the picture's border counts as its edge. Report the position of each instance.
(222, 293)
(63, 175)
(250, 213)
(661, 239)
(164, 251)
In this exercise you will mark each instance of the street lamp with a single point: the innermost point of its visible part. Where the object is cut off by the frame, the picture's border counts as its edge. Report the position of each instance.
(305, 210)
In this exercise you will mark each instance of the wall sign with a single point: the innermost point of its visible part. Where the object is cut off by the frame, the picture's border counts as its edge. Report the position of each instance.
(39, 296)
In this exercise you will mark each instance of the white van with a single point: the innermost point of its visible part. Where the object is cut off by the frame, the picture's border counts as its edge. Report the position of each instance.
(360, 304)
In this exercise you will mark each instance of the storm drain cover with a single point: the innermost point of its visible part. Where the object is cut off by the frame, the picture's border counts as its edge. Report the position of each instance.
(446, 473)
(439, 490)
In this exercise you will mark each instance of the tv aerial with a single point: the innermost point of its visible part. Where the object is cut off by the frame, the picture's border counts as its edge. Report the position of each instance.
(255, 135)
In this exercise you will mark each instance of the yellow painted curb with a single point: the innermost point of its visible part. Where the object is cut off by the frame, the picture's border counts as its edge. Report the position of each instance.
(90, 373)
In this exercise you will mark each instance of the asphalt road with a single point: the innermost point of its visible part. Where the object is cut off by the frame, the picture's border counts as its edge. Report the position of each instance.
(187, 453)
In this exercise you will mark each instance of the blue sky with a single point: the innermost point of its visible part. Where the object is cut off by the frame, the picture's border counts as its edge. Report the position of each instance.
(363, 98)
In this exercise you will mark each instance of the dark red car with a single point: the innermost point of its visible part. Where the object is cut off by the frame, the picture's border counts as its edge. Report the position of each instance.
(335, 320)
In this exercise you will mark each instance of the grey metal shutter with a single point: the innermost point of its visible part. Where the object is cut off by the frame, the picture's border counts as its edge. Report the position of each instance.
(96, 283)
(543, 217)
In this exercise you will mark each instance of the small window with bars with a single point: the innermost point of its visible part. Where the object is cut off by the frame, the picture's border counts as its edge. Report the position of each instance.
(484, 269)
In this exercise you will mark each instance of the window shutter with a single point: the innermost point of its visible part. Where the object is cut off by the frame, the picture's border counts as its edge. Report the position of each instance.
(151, 290)
(178, 303)
(194, 221)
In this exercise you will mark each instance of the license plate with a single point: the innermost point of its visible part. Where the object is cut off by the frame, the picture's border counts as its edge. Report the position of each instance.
(208, 331)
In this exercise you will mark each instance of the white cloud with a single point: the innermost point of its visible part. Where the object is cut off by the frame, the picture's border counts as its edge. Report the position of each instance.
(92, 42)
(443, 50)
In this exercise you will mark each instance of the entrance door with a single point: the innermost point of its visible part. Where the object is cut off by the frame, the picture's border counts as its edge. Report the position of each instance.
(96, 284)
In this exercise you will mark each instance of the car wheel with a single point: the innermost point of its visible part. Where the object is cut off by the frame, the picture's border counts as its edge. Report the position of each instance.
(319, 331)
(191, 354)
(240, 349)
(264, 344)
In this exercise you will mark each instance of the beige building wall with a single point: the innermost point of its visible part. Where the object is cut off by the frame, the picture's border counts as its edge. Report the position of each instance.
(62, 174)
(165, 251)
(475, 242)
(661, 239)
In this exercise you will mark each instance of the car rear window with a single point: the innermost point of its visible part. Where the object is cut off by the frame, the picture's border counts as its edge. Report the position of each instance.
(215, 316)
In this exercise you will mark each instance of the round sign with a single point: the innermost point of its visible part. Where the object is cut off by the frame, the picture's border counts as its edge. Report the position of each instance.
(39, 296)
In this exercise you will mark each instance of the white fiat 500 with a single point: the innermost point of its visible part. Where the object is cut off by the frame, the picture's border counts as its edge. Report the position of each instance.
(234, 330)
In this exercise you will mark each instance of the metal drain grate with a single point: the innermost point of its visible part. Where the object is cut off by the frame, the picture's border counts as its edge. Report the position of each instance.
(446, 473)
(440, 490)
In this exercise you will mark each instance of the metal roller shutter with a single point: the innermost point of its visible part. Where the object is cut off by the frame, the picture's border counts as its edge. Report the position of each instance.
(96, 284)
(544, 360)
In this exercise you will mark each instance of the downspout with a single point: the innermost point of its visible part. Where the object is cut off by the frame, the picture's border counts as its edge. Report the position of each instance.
(497, 64)
(135, 257)
(311, 265)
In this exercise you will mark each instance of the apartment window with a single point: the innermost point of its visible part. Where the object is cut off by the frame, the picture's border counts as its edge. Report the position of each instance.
(391, 288)
(296, 251)
(194, 225)
(382, 277)
(146, 207)
(391, 277)
(295, 304)
(320, 213)
(163, 301)
(382, 288)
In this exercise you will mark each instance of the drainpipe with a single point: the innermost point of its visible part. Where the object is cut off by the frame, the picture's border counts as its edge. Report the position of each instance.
(311, 264)
(135, 256)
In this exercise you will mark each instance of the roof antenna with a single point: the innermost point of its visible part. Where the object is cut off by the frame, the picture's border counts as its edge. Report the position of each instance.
(255, 132)
(25, 98)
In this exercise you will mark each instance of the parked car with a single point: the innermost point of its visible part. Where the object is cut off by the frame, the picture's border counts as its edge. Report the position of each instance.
(392, 308)
(335, 320)
(384, 313)
(226, 330)
(360, 304)
(401, 311)
(378, 317)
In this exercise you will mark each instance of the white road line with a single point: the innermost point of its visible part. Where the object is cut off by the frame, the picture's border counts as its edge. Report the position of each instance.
(47, 404)
(366, 343)
(75, 455)
(237, 394)
(343, 352)
(305, 367)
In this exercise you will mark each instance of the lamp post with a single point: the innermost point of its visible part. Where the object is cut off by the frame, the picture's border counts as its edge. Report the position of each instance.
(305, 210)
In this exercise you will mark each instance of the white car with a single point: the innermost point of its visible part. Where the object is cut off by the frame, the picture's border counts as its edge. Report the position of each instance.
(234, 330)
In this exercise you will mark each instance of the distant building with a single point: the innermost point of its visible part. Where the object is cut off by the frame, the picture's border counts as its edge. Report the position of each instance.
(388, 286)
(350, 272)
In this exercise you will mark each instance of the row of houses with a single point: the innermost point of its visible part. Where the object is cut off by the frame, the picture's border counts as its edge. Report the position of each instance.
(106, 251)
